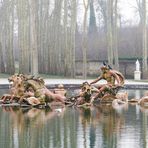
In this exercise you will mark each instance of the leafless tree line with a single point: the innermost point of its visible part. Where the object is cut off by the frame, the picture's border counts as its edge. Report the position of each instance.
(50, 40)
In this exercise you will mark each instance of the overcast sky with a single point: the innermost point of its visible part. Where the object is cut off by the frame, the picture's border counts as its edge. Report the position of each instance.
(127, 9)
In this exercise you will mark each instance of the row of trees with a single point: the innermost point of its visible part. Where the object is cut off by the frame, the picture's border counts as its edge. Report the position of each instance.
(49, 38)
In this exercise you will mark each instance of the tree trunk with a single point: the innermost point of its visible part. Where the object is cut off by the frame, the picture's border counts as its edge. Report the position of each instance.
(84, 39)
(144, 36)
(2, 68)
(33, 37)
(110, 31)
(115, 36)
(9, 26)
(66, 51)
(73, 31)
(23, 36)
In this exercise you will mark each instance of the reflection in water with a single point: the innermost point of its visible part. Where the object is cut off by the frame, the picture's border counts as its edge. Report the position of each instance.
(100, 126)
(104, 117)
(88, 126)
(137, 94)
(112, 124)
(28, 125)
(145, 136)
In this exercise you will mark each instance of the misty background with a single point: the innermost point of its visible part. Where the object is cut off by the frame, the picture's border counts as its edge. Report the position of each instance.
(72, 37)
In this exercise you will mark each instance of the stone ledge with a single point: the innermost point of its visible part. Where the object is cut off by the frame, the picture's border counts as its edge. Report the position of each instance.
(76, 86)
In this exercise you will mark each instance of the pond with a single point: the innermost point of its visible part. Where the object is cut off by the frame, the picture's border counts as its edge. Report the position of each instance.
(98, 127)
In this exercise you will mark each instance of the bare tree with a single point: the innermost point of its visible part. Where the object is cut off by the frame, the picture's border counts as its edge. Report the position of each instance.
(69, 32)
(109, 12)
(141, 4)
(33, 37)
(144, 35)
(84, 38)
(23, 35)
(73, 32)
(48, 42)
(110, 31)
(66, 51)
(115, 35)
(55, 46)
(8, 27)
(2, 68)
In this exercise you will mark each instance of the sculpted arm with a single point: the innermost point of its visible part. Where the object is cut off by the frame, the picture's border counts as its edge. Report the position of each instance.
(95, 81)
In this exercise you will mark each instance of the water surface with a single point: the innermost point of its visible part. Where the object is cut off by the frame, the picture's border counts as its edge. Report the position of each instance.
(98, 127)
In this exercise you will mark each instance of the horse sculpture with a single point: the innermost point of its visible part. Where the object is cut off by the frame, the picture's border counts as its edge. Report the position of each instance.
(42, 93)
(16, 90)
(30, 89)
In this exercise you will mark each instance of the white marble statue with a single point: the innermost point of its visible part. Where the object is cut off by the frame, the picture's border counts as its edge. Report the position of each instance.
(137, 73)
(137, 65)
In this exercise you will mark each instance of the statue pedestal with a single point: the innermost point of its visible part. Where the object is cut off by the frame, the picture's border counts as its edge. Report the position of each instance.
(137, 75)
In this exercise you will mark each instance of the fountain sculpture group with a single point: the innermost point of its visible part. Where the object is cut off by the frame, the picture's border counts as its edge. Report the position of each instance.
(32, 91)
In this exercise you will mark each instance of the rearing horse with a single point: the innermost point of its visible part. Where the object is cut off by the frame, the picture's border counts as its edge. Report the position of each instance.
(17, 88)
